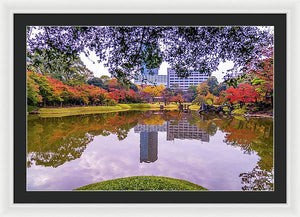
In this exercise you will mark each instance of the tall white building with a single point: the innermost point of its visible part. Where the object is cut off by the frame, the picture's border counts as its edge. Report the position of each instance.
(195, 78)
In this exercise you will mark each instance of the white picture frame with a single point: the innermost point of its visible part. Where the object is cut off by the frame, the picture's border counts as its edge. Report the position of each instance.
(289, 7)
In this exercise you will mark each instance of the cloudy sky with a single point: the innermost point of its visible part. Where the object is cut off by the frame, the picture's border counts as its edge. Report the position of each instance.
(98, 68)
(212, 164)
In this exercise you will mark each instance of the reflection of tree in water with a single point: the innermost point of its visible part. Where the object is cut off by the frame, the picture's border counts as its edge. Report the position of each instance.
(54, 141)
(172, 115)
(252, 135)
(61, 151)
(204, 122)
(257, 180)
(159, 117)
(155, 119)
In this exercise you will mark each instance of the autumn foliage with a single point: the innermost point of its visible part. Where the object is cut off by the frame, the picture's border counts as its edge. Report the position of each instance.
(245, 93)
(254, 87)
(44, 90)
(152, 91)
(177, 99)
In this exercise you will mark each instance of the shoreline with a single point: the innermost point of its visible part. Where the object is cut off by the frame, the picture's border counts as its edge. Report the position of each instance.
(259, 115)
(84, 110)
(50, 112)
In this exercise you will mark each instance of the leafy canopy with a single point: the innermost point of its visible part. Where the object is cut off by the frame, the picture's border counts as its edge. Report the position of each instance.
(53, 62)
(125, 49)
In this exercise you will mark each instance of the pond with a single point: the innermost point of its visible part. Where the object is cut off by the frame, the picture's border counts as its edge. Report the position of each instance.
(216, 152)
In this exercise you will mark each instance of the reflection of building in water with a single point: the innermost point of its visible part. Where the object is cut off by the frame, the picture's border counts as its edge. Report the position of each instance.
(149, 141)
(150, 128)
(175, 130)
(183, 130)
(148, 146)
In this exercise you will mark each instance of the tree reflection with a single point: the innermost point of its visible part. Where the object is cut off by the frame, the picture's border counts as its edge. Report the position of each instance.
(252, 135)
(257, 180)
(204, 122)
(54, 141)
(61, 151)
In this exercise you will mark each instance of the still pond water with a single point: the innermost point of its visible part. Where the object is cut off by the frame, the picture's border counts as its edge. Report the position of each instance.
(216, 152)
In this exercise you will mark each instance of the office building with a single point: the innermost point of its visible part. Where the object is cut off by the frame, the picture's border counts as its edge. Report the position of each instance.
(194, 78)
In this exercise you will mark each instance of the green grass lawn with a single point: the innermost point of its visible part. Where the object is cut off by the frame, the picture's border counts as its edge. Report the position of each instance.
(60, 112)
(148, 183)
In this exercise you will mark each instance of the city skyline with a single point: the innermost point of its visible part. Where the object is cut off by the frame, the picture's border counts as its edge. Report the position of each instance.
(99, 69)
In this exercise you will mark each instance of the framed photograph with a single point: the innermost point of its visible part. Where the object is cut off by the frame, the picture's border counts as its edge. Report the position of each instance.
(154, 108)
(151, 110)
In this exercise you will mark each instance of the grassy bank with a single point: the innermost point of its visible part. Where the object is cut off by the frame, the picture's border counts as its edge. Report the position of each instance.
(148, 183)
(60, 112)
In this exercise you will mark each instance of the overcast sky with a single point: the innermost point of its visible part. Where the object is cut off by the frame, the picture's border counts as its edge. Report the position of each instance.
(98, 68)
